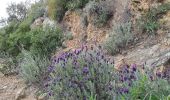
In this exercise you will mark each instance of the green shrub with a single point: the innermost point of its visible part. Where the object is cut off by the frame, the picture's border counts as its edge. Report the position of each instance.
(82, 74)
(38, 41)
(16, 12)
(45, 41)
(57, 8)
(145, 86)
(11, 27)
(33, 68)
(18, 39)
(36, 10)
(75, 4)
(69, 36)
(5, 38)
(98, 12)
(168, 98)
(119, 38)
(7, 65)
(149, 22)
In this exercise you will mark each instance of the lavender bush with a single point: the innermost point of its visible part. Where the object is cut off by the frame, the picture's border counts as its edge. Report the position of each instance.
(33, 68)
(84, 74)
(142, 84)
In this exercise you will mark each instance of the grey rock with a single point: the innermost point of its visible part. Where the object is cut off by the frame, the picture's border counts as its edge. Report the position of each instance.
(20, 94)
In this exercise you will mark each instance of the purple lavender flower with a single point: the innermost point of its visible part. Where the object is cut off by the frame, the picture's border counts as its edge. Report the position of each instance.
(125, 69)
(84, 98)
(125, 78)
(151, 78)
(71, 54)
(85, 78)
(50, 69)
(85, 70)
(126, 90)
(50, 93)
(74, 62)
(98, 53)
(102, 56)
(55, 60)
(159, 74)
(46, 85)
(77, 51)
(110, 87)
(132, 77)
(134, 68)
(48, 78)
(130, 84)
(123, 90)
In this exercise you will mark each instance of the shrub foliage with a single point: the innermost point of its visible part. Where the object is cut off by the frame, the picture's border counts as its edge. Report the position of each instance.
(81, 74)
(87, 74)
(99, 13)
(119, 38)
(150, 23)
(33, 68)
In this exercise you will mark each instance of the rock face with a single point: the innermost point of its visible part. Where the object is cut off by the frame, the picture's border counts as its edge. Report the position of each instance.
(82, 33)
(122, 12)
(82, 28)
(38, 22)
(20, 94)
(165, 39)
(48, 22)
(151, 51)
(150, 56)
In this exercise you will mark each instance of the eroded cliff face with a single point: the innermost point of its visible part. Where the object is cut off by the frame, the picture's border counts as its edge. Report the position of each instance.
(151, 51)
(82, 28)
(82, 33)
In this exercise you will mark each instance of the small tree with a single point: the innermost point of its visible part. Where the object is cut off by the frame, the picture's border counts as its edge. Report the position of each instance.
(3, 22)
(16, 11)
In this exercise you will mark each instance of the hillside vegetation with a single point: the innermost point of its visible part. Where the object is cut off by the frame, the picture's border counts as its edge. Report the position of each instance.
(66, 48)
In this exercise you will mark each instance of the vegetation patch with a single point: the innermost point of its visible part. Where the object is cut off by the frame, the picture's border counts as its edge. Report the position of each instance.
(45, 41)
(82, 74)
(7, 65)
(119, 38)
(33, 68)
(57, 8)
(86, 73)
(149, 22)
(98, 13)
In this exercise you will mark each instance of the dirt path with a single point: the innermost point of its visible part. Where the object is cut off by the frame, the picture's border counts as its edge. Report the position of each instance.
(14, 88)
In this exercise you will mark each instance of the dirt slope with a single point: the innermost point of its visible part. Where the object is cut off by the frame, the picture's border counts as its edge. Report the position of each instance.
(14, 88)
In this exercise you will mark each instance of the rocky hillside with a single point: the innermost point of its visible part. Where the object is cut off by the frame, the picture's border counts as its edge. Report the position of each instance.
(149, 50)
(128, 31)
